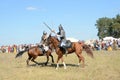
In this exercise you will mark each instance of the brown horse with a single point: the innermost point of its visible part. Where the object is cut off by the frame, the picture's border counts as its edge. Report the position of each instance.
(75, 47)
(34, 52)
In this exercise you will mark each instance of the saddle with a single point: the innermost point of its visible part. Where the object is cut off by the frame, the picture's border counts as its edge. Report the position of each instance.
(68, 44)
(42, 49)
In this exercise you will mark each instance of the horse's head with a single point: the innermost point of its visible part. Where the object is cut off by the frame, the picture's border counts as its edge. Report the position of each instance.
(49, 40)
(52, 40)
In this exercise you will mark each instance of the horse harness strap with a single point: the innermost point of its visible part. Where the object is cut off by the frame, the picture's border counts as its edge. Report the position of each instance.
(68, 44)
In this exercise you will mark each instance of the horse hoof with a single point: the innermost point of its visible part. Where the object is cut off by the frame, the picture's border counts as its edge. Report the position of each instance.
(45, 64)
(83, 66)
(78, 64)
(65, 68)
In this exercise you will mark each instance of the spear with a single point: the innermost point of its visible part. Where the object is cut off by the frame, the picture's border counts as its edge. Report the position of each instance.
(47, 26)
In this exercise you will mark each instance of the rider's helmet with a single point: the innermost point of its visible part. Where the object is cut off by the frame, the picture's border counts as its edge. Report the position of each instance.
(44, 33)
(60, 27)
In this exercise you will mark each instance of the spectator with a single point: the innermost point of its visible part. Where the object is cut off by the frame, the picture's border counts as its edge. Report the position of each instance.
(114, 45)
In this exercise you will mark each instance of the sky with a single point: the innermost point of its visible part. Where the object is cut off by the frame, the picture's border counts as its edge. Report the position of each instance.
(21, 21)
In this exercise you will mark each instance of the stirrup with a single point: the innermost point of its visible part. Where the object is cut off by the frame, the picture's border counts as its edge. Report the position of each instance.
(43, 51)
(66, 51)
(66, 54)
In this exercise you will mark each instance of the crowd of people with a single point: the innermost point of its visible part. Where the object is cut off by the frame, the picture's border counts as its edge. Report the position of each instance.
(108, 45)
(95, 45)
(13, 48)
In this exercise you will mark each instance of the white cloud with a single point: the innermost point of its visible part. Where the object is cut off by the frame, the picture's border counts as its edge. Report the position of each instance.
(31, 8)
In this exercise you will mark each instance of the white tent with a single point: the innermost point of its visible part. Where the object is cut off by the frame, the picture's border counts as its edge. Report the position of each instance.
(109, 38)
(73, 39)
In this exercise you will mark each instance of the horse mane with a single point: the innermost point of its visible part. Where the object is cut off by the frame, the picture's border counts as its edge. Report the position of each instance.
(55, 38)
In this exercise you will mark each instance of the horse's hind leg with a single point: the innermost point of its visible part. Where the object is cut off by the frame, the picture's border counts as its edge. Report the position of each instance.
(81, 58)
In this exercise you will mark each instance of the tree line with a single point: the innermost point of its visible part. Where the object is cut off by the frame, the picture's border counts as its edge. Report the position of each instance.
(108, 27)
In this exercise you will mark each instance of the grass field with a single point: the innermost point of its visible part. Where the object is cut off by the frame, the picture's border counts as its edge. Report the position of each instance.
(105, 66)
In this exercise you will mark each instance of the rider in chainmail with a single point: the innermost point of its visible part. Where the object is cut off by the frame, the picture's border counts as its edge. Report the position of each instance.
(61, 35)
(43, 42)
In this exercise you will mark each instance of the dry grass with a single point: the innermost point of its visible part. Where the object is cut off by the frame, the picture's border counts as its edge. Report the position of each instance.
(105, 66)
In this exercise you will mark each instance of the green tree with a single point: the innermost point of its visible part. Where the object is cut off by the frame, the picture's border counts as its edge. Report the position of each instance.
(104, 26)
(116, 26)
(108, 27)
(116, 30)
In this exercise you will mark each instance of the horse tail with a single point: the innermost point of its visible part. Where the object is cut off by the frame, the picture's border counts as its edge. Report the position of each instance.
(88, 50)
(20, 53)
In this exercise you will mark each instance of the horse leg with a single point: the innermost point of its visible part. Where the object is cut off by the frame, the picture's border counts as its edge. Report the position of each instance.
(78, 55)
(47, 55)
(81, 58)
(29, 58)
(63, 63)
(52, 58)
(33, 60)
(60, 57)
(47, 60)
(57, 62)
